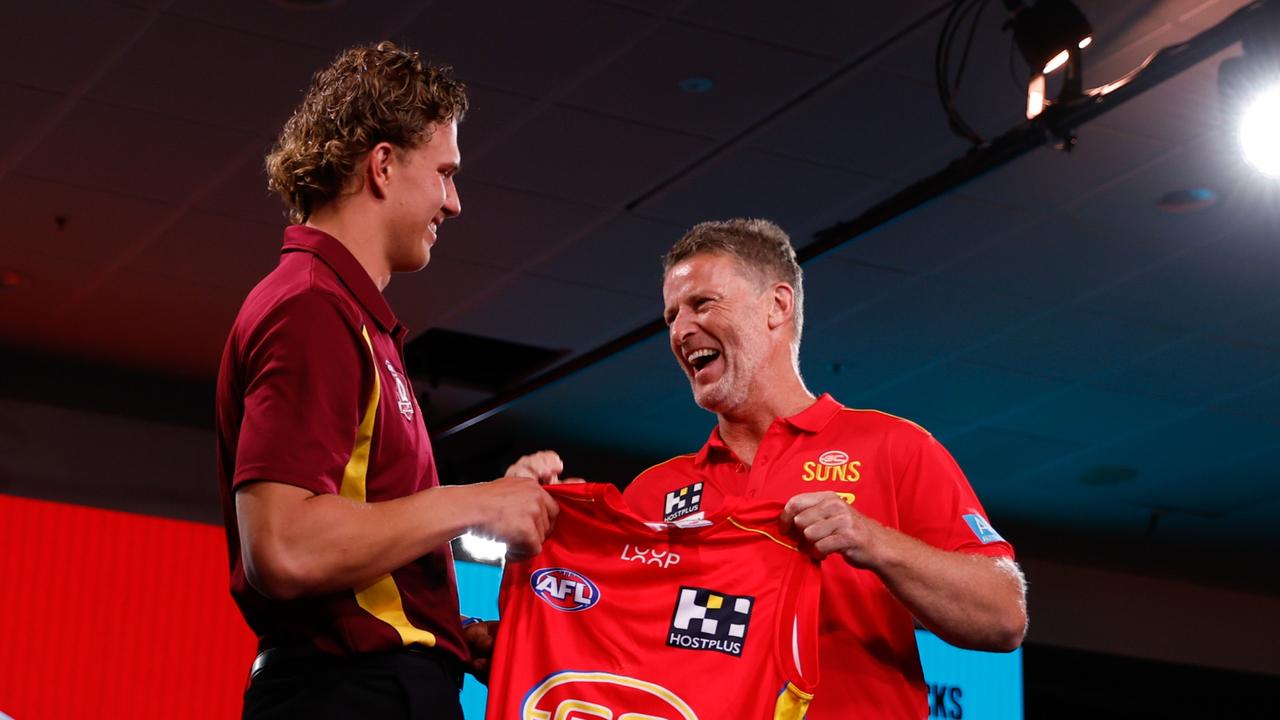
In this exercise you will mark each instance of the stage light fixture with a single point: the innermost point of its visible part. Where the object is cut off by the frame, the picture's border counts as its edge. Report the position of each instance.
(1250, 90)
(1050, 35)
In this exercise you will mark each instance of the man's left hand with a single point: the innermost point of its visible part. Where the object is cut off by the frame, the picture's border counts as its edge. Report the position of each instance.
(479, 637)
(831, 525)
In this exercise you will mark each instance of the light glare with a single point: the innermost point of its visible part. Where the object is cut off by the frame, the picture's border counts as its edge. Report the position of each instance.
(1086, 42)
(1058, 61)
(1035, 97)
(1259, 138)
(483, 549)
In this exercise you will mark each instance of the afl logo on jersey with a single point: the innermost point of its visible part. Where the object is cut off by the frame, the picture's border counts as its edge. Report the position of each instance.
(570, 695)
(833, 458)
(564, 589)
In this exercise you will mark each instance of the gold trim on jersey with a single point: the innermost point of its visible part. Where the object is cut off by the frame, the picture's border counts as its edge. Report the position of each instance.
(380, 598)
(765, 533)
(792, 703)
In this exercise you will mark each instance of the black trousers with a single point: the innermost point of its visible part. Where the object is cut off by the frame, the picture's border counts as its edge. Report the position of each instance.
(404, 684)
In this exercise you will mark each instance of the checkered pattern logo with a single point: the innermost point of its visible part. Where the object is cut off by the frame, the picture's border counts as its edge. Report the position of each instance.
(684, 501)
(710, 620)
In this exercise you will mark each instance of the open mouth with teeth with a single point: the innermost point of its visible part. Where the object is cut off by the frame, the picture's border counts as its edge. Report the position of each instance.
(700, 360)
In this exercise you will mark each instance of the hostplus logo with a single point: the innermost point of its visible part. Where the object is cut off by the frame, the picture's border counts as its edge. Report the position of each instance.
(680, 502)
(710, 620)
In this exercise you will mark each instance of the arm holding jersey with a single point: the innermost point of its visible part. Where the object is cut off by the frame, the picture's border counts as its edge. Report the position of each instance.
(969, 600)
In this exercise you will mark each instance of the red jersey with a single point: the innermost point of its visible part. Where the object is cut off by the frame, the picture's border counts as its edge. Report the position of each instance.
(312, 393)
(618, 618)
(890, 470)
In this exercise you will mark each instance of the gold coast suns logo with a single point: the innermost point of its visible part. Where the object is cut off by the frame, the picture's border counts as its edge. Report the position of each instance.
(832, 465)
(573, 695)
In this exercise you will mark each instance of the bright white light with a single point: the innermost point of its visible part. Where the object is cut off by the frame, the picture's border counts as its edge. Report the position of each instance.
(1258, 132)
(1058, 61)
(483, 549)
(1086, 42)
(1035, 97)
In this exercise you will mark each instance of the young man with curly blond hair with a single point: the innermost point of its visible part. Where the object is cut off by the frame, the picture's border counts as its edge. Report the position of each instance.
(337, 528)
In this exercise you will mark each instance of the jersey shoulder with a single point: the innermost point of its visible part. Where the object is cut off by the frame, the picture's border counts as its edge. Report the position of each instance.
(663, 475)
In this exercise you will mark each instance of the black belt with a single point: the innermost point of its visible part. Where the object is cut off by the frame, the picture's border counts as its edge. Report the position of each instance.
(307, 654)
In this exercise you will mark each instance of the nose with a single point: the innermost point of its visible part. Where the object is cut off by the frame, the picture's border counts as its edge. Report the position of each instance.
(452, 200)
(682, 326)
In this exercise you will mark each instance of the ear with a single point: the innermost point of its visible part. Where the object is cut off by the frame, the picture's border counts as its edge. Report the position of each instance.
(378, 168)
(782, 305)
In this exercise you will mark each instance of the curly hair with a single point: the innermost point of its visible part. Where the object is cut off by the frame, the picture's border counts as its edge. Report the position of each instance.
(760, 245)
(368, 95)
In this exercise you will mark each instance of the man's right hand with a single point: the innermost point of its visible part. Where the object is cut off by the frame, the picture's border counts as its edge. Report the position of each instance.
(516, 511)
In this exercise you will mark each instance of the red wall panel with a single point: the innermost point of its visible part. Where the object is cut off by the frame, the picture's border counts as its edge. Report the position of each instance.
(113, 615)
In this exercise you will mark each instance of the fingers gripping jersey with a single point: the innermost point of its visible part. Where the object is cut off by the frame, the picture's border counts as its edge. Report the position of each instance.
(622, 620)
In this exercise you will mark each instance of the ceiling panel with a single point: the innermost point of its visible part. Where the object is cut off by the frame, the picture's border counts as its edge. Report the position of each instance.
(531, 48)
(580, 157)
(624, 255)
(936, 234)
(16, 128)
(901, 135)
(47, 44)
(799, 196)
(554, 314)
(506, 228)
(937, 315)
(835, 287)
(188, 321)
(336, 26)
(422, 300)
(211, 250)
(131, 151)
(1070, 344)
(990, 456)
(837, 30)
(1088, 415)
(1197, 370)
(1062, 260)
(945, 396)
(1179, 109)
(244, 195)
(166, 70)
(27, 319)
(1102, 156)
(749, 77)
(95, 222)
(1131, 207)
(1205, 288)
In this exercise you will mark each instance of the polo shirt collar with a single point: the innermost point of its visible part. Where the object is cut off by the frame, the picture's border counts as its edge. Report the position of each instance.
(300, 238)
(810, 420)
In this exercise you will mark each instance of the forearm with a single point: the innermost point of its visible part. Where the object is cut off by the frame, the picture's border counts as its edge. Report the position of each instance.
(326, 543)
(971, 601)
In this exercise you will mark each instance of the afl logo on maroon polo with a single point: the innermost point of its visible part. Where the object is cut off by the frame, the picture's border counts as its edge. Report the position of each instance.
(833, 458)
(564, 589)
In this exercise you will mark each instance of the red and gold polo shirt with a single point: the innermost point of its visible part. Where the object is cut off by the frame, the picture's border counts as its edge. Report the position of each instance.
(887, 468)
(312, 392)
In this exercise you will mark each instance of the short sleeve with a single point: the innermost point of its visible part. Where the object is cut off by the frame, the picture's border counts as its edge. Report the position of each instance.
(936, 504)
(304, 385)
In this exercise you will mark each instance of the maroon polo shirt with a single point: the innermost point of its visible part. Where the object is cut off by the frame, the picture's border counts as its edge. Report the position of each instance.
(312, 393)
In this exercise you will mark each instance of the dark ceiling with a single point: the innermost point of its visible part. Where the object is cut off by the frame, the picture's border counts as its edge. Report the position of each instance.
(1107, 372)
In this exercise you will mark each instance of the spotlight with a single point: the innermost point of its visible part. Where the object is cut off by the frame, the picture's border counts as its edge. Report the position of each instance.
(1050, 35)
(1258, 138)
(1250, 89)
